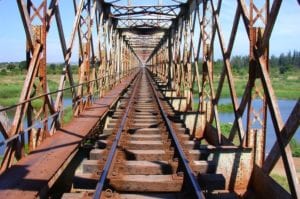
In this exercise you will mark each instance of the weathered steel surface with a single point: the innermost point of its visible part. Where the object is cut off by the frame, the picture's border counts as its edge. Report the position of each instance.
(182, 74)
(35, 174)
(145, 160)
(265, 187)
(176, 42)
(137, 155)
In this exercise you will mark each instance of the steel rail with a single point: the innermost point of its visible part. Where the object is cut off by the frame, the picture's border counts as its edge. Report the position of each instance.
(188, 171)
(114, 146)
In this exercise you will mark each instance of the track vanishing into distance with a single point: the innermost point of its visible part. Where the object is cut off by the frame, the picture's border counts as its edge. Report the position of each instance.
(140, 117)
(142, 153)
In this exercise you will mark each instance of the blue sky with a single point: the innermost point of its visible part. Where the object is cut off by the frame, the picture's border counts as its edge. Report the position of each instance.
(285, 37)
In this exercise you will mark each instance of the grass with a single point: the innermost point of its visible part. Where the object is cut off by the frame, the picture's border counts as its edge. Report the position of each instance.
(222, 108)
(225, 108)
(26, 150)
(285, 86)
(295, 146)
(37, 104)
(10, 91)
(8, 101)
(281, 180)
(11, 87)
(67, 115)
(225, 129)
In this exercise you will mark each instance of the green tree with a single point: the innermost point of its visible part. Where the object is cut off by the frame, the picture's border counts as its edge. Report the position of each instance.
(273, 61)
(23, 65)
(52, 69)
(52, 66)
(3, 72)
(295, 146)
(11, 67)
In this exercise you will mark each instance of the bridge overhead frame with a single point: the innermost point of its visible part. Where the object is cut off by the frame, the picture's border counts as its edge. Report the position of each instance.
(176, 42)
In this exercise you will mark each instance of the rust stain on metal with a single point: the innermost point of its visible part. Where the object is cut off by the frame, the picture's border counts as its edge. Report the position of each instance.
(34, 171)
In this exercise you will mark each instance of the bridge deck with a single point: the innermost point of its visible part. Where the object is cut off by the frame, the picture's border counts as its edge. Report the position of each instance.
(33, 175)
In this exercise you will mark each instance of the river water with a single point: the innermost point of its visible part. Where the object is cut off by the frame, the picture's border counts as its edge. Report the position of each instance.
(285, 107)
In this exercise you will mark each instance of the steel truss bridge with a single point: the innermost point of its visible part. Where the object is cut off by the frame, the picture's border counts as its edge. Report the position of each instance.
(145, 105)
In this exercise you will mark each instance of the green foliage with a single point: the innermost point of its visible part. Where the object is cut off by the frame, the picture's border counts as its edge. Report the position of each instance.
(26, 148)
(11, 87)
(55, 68)
(52, 66)
(284, 61)
(225, 108)
(53, 85)
(284, 69)
(23, 65)
(238, 62)
(295, 146)
(37, 104)
(67, 115)
(8, 101)
(281, 180)
(9, 90)
(3, 72)
(74, 69)
(11, 67)
(218, 66)
(286, 85)
(226, 128)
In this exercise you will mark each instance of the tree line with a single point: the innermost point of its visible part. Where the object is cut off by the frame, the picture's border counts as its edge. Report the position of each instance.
(21, 67)
(284, 62)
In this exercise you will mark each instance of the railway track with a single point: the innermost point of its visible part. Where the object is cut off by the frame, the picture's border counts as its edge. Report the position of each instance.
(141, 156)
(145, 151)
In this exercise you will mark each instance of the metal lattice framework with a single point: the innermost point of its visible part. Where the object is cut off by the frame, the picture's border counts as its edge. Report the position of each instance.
(176, 43)
(101, 66)
(183, 53)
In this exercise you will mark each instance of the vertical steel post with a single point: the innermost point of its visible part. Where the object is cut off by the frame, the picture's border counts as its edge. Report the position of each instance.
(256, 118)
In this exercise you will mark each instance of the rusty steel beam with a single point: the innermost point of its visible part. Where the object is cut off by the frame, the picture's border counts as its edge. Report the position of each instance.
(36, 36)
(26, 22)
(180, 78)
(288, 131)
(226, 52)
(21, 110)
(169, 40)
(273, 106)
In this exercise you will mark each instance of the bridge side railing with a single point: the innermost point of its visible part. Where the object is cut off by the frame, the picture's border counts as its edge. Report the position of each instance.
(24, 136)
(104, 58)
(185, 60)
